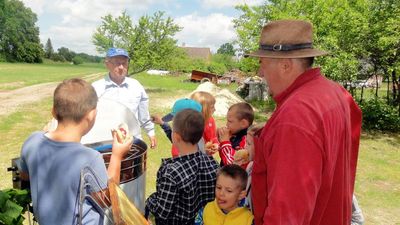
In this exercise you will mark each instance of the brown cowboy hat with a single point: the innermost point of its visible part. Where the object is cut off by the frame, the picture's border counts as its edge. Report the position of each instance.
(287, 39)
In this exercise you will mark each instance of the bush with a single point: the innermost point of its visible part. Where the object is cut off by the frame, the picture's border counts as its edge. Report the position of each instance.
(77, 60)
(216, 68)
(378, 115)
(57, 58)
(13, 203)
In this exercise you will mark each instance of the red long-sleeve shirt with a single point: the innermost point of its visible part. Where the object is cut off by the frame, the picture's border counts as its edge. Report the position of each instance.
(306, 155)
(227, 149)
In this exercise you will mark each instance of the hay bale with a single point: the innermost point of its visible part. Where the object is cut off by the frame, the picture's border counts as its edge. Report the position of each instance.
(224, 98)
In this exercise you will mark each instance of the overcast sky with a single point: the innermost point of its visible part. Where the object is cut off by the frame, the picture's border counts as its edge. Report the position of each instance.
(71, 23)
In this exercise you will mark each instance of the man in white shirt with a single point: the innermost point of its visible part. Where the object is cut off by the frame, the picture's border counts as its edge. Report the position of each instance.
(128, 91)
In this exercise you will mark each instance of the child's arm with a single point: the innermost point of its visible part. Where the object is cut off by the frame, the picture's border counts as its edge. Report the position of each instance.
(226, 151)
(119, 150)
(165, 126)
(199, 217)
(161, 202)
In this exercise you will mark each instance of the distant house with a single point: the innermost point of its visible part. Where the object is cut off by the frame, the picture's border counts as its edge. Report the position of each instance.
(198, 53)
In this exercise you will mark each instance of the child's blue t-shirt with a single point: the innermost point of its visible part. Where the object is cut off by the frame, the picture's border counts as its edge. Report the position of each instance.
(54, 172)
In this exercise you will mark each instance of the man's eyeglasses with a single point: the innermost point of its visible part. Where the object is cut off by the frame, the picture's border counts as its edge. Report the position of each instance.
(118, 63)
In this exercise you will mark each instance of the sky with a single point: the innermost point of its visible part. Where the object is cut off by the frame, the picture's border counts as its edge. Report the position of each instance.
(71, 23)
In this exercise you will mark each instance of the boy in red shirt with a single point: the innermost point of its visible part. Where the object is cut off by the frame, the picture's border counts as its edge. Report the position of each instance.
(233, 137)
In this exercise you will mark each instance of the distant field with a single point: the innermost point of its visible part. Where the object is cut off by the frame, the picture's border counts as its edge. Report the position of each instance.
(17, 75)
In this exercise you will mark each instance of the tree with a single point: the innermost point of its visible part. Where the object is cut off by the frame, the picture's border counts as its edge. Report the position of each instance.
(48, 49)
(150, 43)
(19, 37)
(226, 49)
(339, 27)
(66, 53)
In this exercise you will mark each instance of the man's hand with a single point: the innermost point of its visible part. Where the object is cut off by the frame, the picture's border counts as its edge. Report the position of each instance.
(153, 141)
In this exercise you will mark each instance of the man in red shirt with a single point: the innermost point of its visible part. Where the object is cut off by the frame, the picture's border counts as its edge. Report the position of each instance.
(306, 155)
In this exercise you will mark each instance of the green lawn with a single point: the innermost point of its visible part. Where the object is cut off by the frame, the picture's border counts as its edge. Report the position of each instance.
(377, 181)
(17, 75)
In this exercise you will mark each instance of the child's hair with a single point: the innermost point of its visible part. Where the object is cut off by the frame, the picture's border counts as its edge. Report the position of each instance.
(73, 99)
(235, 172)
(206, 100)
(189, 124)
(243, 111)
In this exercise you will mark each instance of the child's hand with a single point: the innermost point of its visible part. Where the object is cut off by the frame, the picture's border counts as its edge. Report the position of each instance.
(157, 119)
(241, 157)
(211, 148)
(121, 149)
(223, 134)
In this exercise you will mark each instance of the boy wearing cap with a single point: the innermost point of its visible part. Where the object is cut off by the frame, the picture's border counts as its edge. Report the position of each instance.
(128, 91)
(185, 183)
(179, 105)
(306, 155)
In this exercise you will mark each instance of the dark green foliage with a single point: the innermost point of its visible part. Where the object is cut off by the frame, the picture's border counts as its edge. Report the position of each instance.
(77, 60)
(66, 53)
(378, 115)
(13, 203)
(150, 43)
(216, 68)
(57, 57)
(19, 37)
(227, 60)
(226, 49)
(48, 49)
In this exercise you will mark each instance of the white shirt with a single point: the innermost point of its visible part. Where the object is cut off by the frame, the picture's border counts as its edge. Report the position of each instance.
(131, 94)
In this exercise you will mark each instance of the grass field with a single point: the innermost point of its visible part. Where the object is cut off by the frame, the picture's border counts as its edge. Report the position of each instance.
(378, 173)
(17, 75)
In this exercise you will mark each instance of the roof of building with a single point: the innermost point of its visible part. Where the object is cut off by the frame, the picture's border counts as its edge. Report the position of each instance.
(198, 52)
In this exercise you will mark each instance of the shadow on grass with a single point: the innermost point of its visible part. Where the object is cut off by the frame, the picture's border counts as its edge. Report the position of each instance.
(392, 139)
(156, 90)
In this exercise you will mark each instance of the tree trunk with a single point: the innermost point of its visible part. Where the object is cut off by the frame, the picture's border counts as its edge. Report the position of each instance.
(394, 87)
(362, 94)
(376, 85)
(388, 91)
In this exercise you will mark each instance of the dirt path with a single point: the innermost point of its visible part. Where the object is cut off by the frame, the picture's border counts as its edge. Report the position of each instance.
(10, 101)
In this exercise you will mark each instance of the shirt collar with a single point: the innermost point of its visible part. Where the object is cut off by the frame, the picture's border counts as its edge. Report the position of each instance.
(305, 77)
(180, 158)
(110, 83)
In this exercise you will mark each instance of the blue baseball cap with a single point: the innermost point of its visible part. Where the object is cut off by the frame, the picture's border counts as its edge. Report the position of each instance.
(117, 52)
(181, 104)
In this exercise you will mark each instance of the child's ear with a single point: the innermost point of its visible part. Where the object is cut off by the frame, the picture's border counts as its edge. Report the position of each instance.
(92, 114)
(244, 123)
(176, 138)
(53, 112)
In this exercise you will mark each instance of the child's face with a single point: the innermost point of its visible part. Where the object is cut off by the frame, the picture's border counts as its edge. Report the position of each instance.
(250, 145)
(228, 193)
(233, 124)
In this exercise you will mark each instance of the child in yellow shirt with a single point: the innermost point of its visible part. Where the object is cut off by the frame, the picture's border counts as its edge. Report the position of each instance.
(229, 190)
